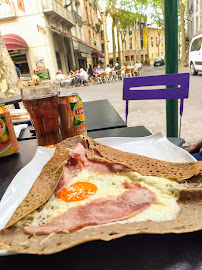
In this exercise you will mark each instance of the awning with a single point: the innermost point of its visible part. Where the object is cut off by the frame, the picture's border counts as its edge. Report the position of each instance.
(69, 35)
(14, 42)
(101, 53)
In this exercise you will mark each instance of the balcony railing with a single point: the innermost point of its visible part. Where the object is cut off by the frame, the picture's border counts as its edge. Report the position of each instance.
(81, 47)
(77, 17)
(7, 11)
(54, 7)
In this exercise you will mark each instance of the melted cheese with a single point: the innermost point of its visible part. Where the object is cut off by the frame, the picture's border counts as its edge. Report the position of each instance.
(167, 193)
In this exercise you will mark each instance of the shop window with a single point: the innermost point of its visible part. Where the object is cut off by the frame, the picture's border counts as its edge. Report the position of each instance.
(58, 60)
(21, 62)
(156, 41)
(152, 41)
(130, 43)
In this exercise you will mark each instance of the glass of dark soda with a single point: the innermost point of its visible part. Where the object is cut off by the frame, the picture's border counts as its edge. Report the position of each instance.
(42, 103)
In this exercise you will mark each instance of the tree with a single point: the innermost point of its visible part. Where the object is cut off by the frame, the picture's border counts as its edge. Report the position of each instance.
(8, 75)
(113, 14)
(181, 8)
(158, 17)
(126, 20)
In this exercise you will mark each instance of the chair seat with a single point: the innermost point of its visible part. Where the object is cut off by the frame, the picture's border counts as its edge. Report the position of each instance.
(176, 141)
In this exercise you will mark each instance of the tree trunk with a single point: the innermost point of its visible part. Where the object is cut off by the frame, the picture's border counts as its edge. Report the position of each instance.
(118, 44)
(106, 50)
(148, 37)
(104, 15)
(123, 47)
(183, 36)
(8, 75)
(113, 41)
(159, 41)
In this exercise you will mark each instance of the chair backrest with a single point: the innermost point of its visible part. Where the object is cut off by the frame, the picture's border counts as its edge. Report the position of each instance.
(127, 70)
(110, 73)
(119, 72)
(103, 74)
(177, 88)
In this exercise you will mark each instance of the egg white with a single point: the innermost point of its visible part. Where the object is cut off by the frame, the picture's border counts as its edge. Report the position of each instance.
(167, 193)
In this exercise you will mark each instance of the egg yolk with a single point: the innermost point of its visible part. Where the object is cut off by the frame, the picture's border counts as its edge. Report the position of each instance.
(77, 192)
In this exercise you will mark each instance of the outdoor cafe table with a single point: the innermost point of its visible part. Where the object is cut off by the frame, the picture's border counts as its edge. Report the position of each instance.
(143, 251)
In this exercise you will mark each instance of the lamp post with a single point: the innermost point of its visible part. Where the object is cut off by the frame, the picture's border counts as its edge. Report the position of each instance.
(171, 59)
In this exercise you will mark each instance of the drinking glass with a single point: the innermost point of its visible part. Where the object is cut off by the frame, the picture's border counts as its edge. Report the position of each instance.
(41, 103)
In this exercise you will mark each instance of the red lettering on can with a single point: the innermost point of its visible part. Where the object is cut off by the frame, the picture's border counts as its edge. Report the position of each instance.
(79, 111)
(1, 125)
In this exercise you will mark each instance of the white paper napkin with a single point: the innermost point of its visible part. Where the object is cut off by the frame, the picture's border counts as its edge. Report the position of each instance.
(18, 128)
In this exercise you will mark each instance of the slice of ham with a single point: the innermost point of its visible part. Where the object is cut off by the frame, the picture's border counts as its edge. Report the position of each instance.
(79, 161)
(101, 211)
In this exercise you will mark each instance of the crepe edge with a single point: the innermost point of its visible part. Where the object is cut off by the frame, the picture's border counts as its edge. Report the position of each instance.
(43, 187)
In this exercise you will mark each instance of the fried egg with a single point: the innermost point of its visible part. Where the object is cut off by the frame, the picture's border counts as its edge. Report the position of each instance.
(88, 186)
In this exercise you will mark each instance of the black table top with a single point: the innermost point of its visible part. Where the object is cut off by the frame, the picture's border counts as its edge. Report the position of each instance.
(144, 251)
(138, 131)
(100, 114)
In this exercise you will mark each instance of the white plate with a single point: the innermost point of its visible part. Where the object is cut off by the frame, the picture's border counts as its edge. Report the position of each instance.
(154, 146)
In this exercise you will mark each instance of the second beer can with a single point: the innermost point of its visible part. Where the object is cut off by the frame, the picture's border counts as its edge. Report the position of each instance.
(72, 119)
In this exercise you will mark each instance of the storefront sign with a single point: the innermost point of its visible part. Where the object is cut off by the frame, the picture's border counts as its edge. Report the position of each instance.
(39, 62)
(42, 74)
(41, 28)
(21, 5)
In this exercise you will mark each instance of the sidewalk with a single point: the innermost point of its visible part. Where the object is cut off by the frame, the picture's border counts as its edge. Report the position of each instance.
(151, 113)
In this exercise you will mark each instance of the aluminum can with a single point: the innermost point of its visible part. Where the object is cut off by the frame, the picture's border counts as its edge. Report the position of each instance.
(72, 119)
(8, 140)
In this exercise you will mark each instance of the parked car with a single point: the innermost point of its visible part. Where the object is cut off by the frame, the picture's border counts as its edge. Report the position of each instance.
(195, 55)
(159, 61)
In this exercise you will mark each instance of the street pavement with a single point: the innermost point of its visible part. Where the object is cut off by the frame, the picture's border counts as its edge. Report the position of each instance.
(152, 113)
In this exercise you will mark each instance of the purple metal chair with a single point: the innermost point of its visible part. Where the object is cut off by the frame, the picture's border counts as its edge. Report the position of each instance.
(178, 82)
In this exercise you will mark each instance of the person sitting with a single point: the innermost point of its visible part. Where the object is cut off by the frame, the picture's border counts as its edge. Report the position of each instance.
(99, 70)
(196, 150)
(123, 68)
(83, 77)
(18, 71)
(73, 70)
(138, 64)
(117, 67)
(63, 79)
(108, 69)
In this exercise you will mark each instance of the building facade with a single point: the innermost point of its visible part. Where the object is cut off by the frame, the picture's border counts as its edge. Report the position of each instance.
(92, 26)
(155, 43)
(194, 15)
(142, 42)
(43, 36)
